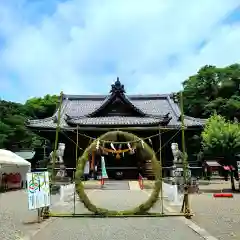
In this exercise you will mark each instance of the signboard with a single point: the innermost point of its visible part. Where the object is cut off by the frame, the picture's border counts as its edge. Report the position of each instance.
(38, 190)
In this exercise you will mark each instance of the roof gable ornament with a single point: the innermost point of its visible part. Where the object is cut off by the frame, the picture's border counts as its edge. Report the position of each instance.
(117, 87)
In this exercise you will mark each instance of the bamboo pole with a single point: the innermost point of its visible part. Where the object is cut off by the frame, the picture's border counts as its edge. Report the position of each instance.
(74, 194)
(76, 151)
(161, 177)
(56, 137)
(183, 140)
(185, 205)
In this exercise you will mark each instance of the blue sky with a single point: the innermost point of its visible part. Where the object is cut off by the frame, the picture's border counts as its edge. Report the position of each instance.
(81, 46)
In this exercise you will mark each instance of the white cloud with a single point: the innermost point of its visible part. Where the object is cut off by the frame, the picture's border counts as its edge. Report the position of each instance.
(83, 45)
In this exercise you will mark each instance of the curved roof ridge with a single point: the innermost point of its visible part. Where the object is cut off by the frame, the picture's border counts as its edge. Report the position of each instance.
(166, 116)
(109, 98)
(201, 120)
(176, 111)
(100, 97)
(119, 120)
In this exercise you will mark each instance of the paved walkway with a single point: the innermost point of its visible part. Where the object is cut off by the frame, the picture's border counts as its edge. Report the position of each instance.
(116, 185)
(15, 218)
(134, 185)
(116, 228)
(16, 221)
(215, 186)
(219, 216)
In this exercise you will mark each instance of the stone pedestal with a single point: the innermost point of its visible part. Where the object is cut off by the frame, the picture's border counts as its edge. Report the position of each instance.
(61, 174)
(178, 173)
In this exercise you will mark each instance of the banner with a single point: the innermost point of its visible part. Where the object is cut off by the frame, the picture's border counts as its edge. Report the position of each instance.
(104, 172)
(38, 190)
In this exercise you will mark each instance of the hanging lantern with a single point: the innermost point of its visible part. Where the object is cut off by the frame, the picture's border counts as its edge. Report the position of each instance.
(142, 142)
(150, 141)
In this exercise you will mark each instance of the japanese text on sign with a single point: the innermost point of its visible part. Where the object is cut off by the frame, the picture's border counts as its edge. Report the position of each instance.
(38, 190)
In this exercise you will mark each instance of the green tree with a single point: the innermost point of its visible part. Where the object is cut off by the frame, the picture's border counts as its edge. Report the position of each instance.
(13, 132)
(42, 107)
(212, 90)
(200, 89)
(221, 138)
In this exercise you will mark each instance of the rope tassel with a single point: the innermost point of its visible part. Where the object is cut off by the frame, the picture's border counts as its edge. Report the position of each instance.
(112, 146)
(120, 147)
(130, 148)
(98, 144)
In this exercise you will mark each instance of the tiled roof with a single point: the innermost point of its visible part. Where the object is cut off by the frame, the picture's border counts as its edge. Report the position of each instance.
(81, 105)
(86, 110)
(116, 120)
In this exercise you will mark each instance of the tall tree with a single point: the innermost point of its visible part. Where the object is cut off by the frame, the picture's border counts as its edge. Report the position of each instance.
(213, 89)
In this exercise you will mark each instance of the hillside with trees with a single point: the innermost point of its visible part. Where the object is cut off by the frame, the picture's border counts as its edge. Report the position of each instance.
(13, 116)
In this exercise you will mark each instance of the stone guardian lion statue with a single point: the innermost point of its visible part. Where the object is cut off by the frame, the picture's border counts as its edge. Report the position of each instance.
(59, 154)
(59, 160)
(177, 154)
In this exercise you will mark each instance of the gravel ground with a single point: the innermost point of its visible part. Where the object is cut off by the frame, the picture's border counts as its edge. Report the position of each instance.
(220, 217)
(15, 218)
(215, 186)
(116, 228)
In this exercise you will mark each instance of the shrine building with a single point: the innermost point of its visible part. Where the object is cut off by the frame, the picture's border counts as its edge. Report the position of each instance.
(143, 115)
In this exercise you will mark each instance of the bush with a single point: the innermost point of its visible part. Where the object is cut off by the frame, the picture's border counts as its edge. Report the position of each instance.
(221, 137)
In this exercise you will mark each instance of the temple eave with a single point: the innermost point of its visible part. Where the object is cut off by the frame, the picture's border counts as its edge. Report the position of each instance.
(118, 121)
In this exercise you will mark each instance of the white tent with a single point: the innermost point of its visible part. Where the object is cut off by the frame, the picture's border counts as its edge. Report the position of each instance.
(12, 163)
(9, 158)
